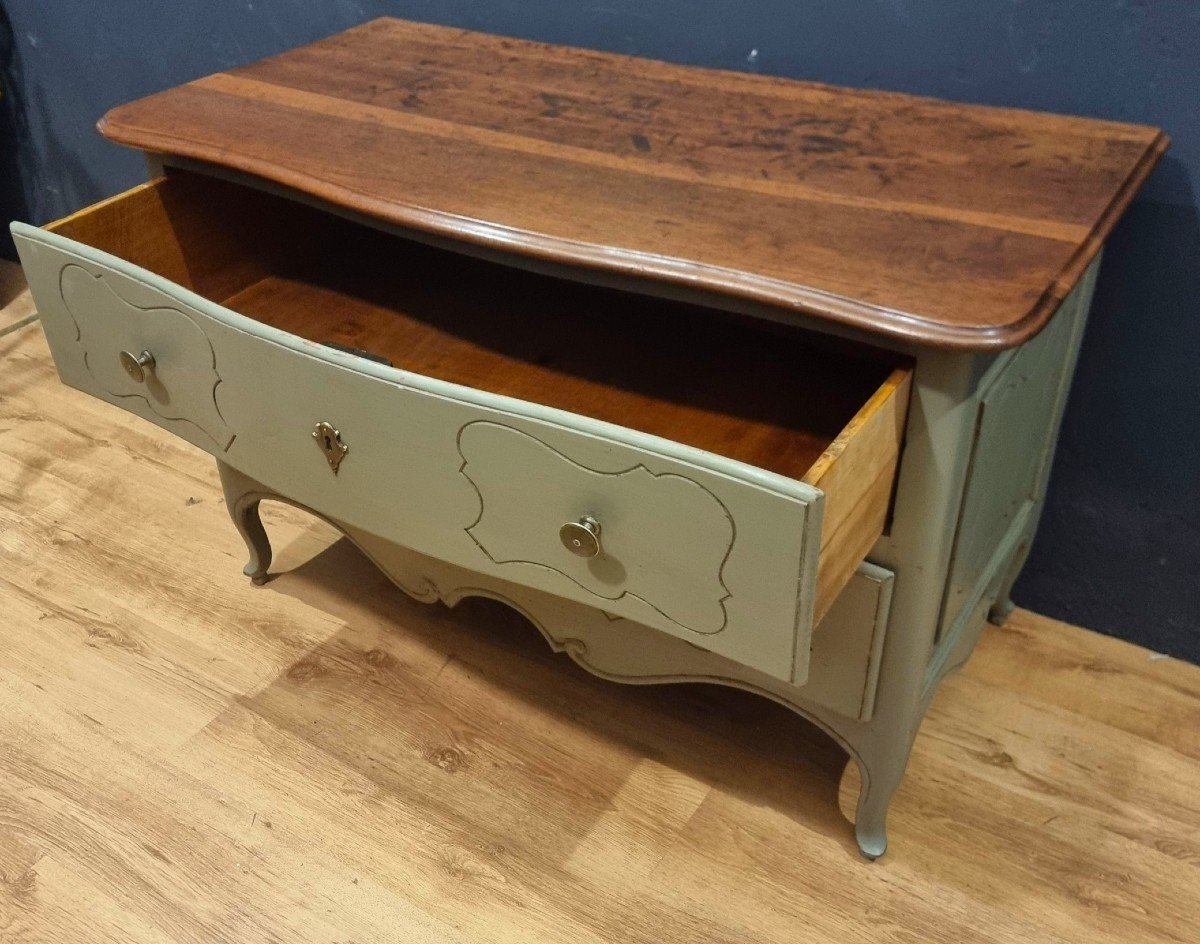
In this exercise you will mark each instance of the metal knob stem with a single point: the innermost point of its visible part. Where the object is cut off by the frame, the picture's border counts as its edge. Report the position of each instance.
(137, 365)
(582, 537)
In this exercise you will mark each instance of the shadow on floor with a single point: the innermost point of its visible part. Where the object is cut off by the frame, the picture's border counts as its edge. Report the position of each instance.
(740, 744)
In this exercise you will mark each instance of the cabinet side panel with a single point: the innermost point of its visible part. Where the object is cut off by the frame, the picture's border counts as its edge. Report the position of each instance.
(1017, 423)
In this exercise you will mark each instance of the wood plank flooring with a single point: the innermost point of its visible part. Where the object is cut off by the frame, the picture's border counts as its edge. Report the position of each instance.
(16, 306)
(187, 758)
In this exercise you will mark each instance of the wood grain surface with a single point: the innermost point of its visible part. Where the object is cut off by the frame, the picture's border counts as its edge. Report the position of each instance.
(16, 304)
(656, 367)
(187, 758)
(797, 403)
(923, 221)
(602, 353)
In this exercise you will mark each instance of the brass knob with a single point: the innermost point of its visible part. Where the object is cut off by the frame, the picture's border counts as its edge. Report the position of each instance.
(136, 365)
(582, 537)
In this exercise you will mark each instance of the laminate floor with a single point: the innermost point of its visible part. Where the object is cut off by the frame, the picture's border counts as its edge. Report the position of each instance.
(16, 306)
(187, 758)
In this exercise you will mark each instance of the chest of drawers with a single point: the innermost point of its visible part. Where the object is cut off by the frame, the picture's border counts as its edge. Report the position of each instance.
(712, 377)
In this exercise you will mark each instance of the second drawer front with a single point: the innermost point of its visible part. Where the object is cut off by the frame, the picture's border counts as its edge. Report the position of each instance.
(716, 554)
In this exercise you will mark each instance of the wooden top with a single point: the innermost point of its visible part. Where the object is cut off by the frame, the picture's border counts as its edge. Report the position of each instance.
(923, 221)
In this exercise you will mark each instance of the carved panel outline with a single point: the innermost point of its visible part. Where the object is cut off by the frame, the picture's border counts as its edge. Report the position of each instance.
(726, 593)
(89, 334)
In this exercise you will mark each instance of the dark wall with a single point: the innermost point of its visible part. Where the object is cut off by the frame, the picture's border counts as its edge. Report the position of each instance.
(1122, 527)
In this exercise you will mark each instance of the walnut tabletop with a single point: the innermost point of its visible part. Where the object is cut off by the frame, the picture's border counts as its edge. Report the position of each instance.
(917, 220)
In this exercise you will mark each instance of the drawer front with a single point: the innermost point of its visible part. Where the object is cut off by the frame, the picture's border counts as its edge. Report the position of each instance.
(659, 537)
(708, 550)
(94, 330)
(847, 646)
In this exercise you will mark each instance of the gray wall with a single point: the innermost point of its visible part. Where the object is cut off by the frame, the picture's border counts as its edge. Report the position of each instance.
(1122, 528)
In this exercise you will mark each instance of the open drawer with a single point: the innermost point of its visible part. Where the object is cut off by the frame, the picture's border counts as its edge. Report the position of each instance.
(714, 478)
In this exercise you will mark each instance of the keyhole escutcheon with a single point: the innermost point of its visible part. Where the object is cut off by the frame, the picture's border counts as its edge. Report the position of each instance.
(329, 440)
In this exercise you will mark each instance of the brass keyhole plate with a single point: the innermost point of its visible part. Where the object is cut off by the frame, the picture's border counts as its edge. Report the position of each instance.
(329, 441)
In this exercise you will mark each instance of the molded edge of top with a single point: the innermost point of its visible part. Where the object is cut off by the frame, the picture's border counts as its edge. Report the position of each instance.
(899, 326)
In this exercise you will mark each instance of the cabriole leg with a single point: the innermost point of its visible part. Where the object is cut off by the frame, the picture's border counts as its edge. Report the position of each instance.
(879, 783)
(242, 497)
(1001, 610)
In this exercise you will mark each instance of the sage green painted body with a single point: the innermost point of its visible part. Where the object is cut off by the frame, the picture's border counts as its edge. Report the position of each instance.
(971, 481)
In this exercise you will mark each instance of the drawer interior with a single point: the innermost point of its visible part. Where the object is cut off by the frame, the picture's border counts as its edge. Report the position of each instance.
(801, 405)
